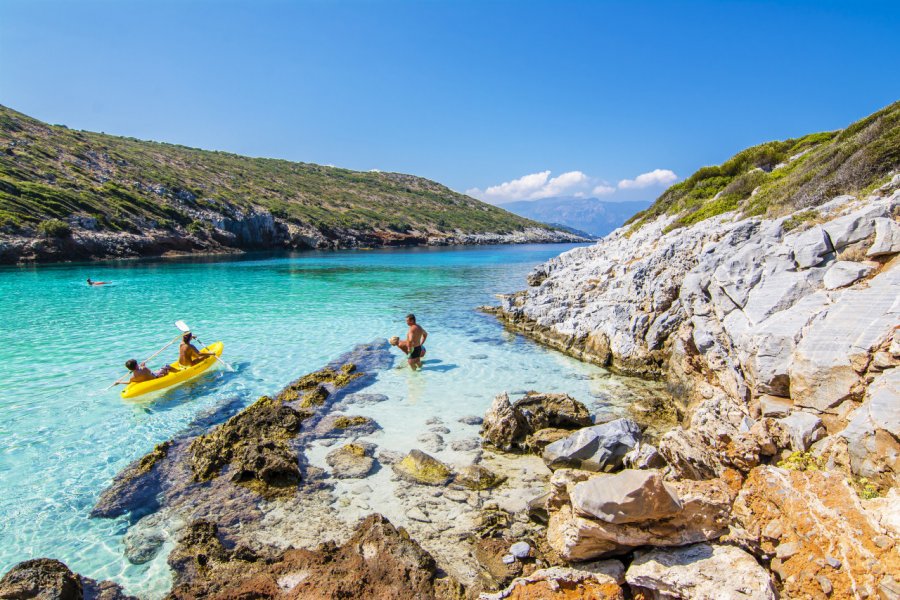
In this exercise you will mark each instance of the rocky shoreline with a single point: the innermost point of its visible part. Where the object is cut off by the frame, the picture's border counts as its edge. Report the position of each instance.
(251, 232)
(770, 472)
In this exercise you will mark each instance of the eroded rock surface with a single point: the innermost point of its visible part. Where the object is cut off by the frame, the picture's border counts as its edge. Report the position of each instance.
(49, 579)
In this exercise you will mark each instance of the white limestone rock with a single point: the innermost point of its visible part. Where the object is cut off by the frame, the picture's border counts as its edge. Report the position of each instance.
(810, 247)
(874, 428)
(887, 238)
(843, 273)
(856, 226)
(700, 572)
(803, 429)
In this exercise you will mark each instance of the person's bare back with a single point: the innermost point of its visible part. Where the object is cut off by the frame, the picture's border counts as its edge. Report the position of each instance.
(415, 339)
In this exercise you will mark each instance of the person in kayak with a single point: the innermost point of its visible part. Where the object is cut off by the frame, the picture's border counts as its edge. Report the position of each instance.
(140, 372)
(403, 345)
(415, 339)
(188, 355)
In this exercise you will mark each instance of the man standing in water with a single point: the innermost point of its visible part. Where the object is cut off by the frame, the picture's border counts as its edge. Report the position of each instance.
(415, 339)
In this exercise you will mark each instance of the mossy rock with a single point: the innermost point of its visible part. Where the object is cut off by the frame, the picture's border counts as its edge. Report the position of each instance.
(157, 454)
(315, 397)
(422, 468)
(348, 422)
(476, 477)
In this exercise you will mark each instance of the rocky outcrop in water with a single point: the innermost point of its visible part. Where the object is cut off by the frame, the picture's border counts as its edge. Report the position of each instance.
(48, 579)
(532, 421)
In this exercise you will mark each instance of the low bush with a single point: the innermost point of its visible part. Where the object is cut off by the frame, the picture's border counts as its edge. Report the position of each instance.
(54, 228)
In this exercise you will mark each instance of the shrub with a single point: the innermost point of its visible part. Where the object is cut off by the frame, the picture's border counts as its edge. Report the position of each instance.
(801, 461)
(798, 219)
(54, 228)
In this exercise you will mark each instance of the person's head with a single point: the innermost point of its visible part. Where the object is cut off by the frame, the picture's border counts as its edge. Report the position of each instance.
(186, 338)
(131, 364)
(410, 319)
(89, 279)
(394, 341)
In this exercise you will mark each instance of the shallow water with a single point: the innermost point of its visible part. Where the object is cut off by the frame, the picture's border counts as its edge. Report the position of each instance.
(62, 438)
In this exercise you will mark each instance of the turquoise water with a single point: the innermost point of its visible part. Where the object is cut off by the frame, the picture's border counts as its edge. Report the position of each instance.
(62, 438)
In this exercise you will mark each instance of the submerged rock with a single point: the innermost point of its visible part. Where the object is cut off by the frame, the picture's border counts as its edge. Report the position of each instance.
(699, 572)
(422, 468)
(476, 477)
(351, 461)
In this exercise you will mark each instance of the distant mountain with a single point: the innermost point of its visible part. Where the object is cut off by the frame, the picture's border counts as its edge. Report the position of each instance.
(590, 215)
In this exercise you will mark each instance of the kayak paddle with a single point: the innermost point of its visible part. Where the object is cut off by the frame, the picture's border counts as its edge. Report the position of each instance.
(119, 380)
(184, 327)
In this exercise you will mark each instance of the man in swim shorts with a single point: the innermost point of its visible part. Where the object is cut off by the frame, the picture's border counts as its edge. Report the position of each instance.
(415, 340)
(140, 372)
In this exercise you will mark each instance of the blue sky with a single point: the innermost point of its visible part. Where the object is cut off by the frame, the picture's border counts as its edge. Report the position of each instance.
(544, 97)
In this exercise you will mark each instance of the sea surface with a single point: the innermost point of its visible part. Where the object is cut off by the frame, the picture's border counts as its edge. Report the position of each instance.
(63, 437)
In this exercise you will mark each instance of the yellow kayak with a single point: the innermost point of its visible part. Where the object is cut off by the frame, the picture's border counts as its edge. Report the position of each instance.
(177, 376)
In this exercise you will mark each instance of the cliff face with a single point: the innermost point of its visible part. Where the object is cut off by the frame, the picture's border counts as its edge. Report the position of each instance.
(67, 195)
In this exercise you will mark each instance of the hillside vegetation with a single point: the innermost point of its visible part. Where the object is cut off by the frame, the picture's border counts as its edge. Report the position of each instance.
(780, 177)
(51, 176)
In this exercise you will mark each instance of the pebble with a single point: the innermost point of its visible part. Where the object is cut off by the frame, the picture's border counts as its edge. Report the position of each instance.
(825, 584)
(883, 541)
(434, 421)
(833, 562)
(520, 550)
(456, 495)
(439, 429)
(508, 559)
(416, 514)
(471, 420)
(787, 550)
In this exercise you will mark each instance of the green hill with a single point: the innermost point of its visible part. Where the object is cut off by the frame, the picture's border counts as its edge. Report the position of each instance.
(777, 178)
(54, 180)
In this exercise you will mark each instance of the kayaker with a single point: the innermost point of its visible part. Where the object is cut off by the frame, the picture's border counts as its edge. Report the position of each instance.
(188, 355)
(415, 338)
(403, 345)
(140, 372)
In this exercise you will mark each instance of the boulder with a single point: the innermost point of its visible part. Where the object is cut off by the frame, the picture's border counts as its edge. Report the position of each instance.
(561, 583)
(810, 247)
(540, 439)
(856, 226)
(476, 477)
(42, 579)
(504, 426)
(419, 467)
(351, 461)
(559, 411)
(779, 291)
(816, 521)
(887, 238)
(598, 448)
(835, 348)
(699, 572)
(626, 497)
(844, 272)
(644, 456)
(705, 507)
(800, 430)
(775, 406)
(874, 429)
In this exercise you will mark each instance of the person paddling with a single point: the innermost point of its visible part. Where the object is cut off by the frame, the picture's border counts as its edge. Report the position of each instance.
(140, 372)
(188, 355)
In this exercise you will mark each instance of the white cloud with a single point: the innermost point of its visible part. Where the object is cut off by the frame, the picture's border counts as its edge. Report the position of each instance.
(654, 177)
(534, 187)
(571, 183)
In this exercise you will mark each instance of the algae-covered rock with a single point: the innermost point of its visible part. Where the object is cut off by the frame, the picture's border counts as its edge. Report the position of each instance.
(344, 422)
(315, 397)
(422, 468)
(476, 477)
(351, 461)
(255, 443)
